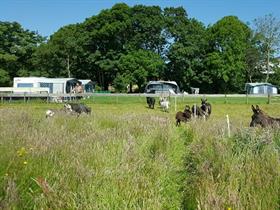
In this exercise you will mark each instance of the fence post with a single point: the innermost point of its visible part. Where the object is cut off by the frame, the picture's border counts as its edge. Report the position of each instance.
(268, 98)
(247, 101)
(175, 103)
(225, 98)
(228, 125)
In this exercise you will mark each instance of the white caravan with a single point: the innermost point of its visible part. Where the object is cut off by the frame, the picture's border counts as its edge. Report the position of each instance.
(55, 85)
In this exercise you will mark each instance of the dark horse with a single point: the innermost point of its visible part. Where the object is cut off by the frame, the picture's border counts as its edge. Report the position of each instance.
(262, 119)
(204, 111)
(183, 116)
(206, 107)
(151, 102)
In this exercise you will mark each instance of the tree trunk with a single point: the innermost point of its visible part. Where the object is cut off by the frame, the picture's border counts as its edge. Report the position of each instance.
(267, 65)
(250, 78)
(68, 66)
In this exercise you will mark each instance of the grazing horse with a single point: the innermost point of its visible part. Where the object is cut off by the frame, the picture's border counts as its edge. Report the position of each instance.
(78, 108)
(262, 119)
(206, 107)
(183, 116)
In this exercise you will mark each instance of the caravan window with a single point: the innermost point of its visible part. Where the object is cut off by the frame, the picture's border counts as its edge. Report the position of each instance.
(47, 85)
(261, 90)
(25, 85)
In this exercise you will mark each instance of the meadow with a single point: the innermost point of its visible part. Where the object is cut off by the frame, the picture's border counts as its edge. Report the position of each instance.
(126, 156)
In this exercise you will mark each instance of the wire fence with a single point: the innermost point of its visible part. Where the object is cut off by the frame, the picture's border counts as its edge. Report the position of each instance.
(141, 98)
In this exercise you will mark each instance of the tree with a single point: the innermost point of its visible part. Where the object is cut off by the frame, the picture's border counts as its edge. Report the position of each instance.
(106, 36)
(147, 23)
(16, 48)
(4, 77)
(137, 67)
(267, 29)
(229, 39)
(186, 49)
(118, 31)
(67, 47)
(252, 60)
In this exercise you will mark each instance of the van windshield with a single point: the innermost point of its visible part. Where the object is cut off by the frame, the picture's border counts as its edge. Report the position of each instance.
(161, 87)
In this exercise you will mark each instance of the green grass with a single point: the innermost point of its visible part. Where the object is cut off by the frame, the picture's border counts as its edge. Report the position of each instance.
(126, 156)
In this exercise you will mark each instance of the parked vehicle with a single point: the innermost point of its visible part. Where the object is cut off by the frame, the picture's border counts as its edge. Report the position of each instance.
(162, 87)
(55, 85)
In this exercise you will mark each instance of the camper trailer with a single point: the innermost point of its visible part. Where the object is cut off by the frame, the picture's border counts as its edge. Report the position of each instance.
(260, 88)
(55, 85)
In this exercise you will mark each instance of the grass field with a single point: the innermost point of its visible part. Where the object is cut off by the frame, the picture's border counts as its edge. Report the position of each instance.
(126, 156)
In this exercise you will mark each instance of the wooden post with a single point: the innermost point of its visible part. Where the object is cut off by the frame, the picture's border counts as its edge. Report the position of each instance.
(247, 101)
(194, 111)
(268, 98)
(225, 98)
(24, 99)
(175, 103)
(228, 125)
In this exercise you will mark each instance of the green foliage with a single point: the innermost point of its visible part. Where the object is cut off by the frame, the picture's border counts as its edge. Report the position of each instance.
(126, 45)
(16, 48)
(4, 77)
(120, 83)
(228, 40)
(187, 53)
(140, 66)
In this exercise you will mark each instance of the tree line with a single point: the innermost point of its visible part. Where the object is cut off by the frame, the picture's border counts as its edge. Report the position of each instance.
(125, 45)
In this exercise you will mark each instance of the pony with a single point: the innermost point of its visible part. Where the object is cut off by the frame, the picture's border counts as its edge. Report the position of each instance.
(65, 110)
(206, 107)
(151, 102)
(261, 118)
(164, 104)
(183, 116)
(198, 111)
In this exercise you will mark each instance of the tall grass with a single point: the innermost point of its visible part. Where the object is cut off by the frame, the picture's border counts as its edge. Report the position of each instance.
(241, 172)
(104, 161)
(126, 156)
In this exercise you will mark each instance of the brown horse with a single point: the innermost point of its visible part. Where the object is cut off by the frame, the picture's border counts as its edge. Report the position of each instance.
(183, 116)
(262, 119)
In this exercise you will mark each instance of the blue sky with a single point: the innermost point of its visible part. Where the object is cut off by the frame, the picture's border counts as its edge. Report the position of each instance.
(47, 16)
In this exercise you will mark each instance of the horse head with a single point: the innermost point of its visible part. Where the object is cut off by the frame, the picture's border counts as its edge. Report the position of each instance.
(258, 117)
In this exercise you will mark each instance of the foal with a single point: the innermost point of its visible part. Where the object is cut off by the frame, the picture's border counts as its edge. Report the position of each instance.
(262, 119)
